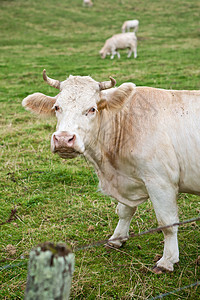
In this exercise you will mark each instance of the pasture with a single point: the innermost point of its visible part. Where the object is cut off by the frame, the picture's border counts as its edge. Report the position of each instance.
(58, 200)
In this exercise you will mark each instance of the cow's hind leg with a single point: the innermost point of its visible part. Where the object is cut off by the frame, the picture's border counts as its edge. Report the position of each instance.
(135, 50)
(165, 206)
(121, 232)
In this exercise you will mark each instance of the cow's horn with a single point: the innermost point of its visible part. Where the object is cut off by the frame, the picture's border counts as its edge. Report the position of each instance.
(51, 82)
(107, 84)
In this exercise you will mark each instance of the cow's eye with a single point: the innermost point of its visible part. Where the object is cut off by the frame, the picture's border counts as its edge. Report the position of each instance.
(56, 107)
(91, 111)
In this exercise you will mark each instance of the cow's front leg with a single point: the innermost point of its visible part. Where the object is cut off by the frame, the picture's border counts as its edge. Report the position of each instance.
(121, 232)
(165, 206)
(129, 53)
(171, 252)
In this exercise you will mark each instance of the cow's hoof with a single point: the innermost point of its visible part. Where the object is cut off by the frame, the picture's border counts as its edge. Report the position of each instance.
(110, 246)
(116, 245)
(159, 270)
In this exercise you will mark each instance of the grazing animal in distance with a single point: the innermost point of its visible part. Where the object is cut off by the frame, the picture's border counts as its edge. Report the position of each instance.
(143, 143)
(130, 24)
(87, 3)
(120, 41)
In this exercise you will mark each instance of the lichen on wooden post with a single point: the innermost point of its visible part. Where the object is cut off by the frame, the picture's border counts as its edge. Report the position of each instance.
(50, 272)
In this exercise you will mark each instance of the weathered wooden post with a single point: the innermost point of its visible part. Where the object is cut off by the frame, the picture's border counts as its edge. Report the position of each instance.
(50, 272)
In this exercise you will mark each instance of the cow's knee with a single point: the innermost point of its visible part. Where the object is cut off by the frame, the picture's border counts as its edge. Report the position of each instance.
(124, 211)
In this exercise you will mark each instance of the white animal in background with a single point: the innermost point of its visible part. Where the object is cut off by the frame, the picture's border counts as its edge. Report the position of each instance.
(130, 24)
(143, 142)
(87, 3)
(120, 41)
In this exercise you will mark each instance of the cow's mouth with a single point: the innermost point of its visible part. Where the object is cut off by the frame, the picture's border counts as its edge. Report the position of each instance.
(67, 152)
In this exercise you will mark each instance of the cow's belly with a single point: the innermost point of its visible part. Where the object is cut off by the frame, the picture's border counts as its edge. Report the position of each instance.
(189, 165)
(185, 139)
(129, 191)
(190, 179)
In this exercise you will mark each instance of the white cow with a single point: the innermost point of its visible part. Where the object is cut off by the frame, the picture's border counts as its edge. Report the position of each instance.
(87, 3)
(143, 142)
(130, 24)
(120, 41)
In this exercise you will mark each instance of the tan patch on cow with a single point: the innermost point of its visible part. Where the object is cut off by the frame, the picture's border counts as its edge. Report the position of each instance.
(114, 133)
(102, 104)
(40, 104)
(129, 114)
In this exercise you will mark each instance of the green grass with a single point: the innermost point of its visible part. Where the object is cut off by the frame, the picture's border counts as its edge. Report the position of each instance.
(57, 200)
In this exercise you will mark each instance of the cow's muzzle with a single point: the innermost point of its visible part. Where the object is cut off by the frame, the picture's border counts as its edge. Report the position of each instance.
(63, 143)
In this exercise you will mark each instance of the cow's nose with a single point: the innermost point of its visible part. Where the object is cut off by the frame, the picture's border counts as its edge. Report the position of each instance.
(63, 139)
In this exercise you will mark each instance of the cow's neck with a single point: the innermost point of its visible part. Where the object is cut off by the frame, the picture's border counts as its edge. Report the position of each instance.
(110, 153)
(107, 144)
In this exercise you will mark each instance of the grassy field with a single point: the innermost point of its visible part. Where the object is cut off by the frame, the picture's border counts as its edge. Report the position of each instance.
(57, 200)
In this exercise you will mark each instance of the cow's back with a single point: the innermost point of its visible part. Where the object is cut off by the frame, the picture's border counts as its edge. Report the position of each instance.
(123, 40)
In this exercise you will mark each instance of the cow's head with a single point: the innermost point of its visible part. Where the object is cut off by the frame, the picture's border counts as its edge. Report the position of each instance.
(76, 107)
(103, 53)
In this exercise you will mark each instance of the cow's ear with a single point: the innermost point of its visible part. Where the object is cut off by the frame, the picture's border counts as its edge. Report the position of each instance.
(102, 104)
(115, 100)
(40, 104)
